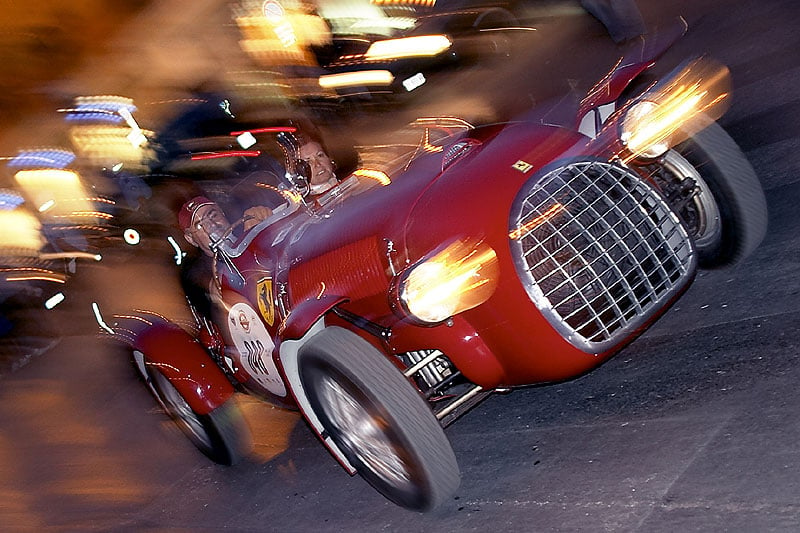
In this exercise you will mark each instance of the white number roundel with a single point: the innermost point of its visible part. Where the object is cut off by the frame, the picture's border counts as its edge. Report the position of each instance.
(255, 347)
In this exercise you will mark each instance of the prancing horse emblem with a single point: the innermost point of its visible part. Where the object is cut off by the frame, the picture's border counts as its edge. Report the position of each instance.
(265, 303)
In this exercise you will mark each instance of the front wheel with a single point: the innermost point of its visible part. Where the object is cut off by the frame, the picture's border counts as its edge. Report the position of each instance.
(222, 435)
(717, 194)
(378, 419)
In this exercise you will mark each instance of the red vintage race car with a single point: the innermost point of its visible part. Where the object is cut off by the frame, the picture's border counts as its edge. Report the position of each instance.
(496, 257)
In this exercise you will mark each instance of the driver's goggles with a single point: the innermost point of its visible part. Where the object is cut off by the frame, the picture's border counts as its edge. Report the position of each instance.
(212, 219)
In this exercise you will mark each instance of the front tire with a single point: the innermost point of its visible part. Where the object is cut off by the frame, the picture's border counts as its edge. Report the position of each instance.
(378, 419)
(727, 217)
(222, 435)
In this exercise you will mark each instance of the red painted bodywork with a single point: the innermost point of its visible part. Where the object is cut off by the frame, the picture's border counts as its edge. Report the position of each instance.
(180, 358)
(340, 258)
(640, 55)
(342, 263)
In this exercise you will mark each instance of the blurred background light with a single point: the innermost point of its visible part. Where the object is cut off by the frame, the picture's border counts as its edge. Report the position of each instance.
(21, 232)
(10, 200)
(417, 46)
(99, 109)
(47, 158)
(356, 79)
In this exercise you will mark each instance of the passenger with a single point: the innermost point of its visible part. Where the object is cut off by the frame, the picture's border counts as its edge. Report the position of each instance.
(322, 171)
(320, 167)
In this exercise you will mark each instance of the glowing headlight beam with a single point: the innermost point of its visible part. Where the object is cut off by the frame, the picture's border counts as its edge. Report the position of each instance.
(668, 116)
(458, 278)
(656, 127)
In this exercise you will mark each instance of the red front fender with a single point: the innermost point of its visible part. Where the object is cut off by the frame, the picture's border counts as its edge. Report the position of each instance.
(181, 359)
(639, 56)
(305, 314)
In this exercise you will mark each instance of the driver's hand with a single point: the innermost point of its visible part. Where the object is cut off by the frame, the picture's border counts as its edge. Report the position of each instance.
(254, 215)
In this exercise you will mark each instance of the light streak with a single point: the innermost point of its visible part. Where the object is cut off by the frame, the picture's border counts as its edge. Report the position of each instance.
(551, 212)
(230, 153)
(355, 79)
(99, 318)
(377, 175)
(417, 46)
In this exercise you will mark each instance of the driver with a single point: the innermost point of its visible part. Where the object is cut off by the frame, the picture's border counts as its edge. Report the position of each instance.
(203, 222)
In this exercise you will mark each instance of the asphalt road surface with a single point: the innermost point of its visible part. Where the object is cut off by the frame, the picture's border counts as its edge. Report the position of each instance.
(693, 427)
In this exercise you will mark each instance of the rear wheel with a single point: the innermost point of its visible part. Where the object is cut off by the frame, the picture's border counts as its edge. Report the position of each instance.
(717, 194)
(222, 435)
(378, 419)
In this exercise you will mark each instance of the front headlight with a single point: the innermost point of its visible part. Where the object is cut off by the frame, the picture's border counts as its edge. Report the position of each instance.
(681, 105)
(643, 130)
(459, 277)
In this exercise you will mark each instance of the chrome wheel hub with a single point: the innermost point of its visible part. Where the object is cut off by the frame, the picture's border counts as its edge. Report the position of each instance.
(363, 433)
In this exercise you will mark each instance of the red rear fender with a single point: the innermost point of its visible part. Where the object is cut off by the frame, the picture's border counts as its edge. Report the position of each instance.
(183, 361)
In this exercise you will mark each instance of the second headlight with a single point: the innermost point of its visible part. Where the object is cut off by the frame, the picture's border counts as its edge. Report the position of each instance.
(451, 280)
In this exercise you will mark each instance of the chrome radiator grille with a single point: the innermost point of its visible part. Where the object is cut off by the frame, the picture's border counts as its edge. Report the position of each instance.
(598, 251)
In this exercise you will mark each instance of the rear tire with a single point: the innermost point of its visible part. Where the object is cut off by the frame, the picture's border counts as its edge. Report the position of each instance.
(222, 435)
(378, 419)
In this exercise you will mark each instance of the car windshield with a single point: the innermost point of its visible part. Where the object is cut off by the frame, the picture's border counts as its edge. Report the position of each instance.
(240, 240)
(423, 136)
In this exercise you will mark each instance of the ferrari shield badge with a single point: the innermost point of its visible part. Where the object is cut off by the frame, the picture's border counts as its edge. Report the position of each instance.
(265, 303)
(522, 166)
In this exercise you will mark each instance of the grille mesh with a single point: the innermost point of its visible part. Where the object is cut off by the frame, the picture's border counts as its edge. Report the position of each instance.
(598, 250)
